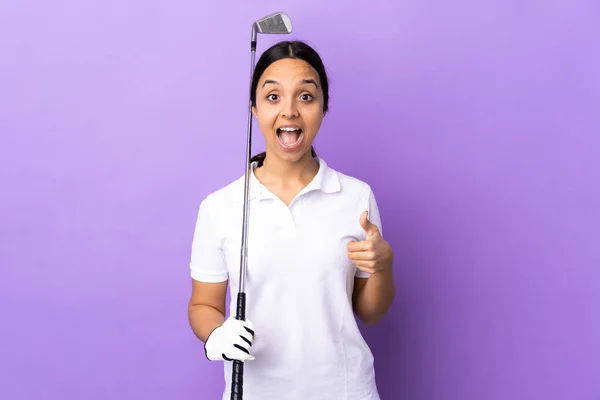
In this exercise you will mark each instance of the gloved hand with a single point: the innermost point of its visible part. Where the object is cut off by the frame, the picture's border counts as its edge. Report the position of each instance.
(230, 341)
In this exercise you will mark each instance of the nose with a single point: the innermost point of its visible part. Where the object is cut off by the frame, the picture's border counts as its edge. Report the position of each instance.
(289, 108)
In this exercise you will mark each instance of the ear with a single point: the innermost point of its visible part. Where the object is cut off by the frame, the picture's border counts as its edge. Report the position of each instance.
(254, 111)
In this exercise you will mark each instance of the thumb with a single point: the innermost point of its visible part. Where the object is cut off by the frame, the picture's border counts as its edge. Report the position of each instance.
(370, 228)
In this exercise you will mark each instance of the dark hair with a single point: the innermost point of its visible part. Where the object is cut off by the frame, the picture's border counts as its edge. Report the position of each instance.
(295, 50)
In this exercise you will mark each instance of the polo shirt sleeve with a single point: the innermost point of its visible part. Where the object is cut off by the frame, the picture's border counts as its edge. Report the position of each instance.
(207, 262)
(374, 218)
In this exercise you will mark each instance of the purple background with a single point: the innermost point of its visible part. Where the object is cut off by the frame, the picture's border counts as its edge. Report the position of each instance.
(476, 123)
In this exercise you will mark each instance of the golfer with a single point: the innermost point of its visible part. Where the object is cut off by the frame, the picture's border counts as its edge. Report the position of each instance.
(316, 254)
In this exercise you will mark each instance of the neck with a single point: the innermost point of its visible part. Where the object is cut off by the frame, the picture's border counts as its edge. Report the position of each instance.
(277, 170)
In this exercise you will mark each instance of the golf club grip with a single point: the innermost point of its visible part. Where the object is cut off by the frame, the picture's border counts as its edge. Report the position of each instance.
(241, 307)
(237, 380)
(237, 374)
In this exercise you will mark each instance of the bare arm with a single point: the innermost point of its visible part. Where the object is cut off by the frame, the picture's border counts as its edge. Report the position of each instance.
(206, 310)
(373, 296)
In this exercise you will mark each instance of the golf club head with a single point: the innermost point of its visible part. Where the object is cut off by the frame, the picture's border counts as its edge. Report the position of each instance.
(276, 23)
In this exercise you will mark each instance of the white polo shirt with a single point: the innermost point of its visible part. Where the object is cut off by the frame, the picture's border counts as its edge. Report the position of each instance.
(298, 285)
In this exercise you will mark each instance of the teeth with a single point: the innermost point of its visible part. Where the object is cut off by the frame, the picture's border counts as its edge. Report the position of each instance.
(289, 129)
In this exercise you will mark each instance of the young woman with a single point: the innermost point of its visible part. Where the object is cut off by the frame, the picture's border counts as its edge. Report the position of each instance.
(316, 254)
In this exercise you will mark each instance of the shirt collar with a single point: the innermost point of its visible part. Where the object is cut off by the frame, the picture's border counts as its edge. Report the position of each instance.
(326, 180)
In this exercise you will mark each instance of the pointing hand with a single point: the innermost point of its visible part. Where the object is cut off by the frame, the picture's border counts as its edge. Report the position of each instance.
(373, 254)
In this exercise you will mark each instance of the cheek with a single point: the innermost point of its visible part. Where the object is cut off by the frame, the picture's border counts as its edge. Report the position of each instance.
(266, 118)
(314, 123)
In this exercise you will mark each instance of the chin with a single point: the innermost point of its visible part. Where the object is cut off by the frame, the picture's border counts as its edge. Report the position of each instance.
(293, 156)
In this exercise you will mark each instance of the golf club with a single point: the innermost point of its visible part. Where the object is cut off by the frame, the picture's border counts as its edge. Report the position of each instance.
(276, 23)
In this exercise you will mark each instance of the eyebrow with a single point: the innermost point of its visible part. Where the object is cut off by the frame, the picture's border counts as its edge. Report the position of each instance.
(304, 82)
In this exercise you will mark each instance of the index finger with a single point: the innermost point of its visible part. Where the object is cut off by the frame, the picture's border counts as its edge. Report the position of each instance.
(361, 245)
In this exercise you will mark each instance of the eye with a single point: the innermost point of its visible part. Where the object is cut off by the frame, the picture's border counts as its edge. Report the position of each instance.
(272, 97)
(306, 97)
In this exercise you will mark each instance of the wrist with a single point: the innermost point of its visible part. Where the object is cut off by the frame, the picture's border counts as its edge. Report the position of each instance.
(207, 344)
(230, 341)
(385, 269)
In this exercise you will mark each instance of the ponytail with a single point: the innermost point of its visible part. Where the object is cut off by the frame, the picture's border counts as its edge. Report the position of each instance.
(260, 158)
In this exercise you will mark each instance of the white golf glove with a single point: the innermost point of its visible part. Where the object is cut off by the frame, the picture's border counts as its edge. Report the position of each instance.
(230, 341)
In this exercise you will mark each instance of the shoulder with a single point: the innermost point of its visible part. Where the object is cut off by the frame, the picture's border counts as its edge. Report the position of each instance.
(351, 185)
(224, 197)
(358, 194)
(355, 191)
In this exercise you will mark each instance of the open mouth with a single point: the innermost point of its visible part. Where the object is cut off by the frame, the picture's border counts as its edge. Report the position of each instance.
(290, 137)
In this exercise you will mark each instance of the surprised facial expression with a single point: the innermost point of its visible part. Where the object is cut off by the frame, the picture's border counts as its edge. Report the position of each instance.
(289, 108)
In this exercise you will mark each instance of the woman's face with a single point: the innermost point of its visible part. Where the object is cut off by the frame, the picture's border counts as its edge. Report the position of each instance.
(289, 108)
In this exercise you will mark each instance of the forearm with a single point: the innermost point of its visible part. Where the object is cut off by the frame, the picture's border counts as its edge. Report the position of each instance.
(376, 296)
(204, 319)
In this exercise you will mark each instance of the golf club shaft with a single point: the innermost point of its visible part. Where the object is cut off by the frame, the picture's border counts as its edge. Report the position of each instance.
(277, 23)
(237, 379)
